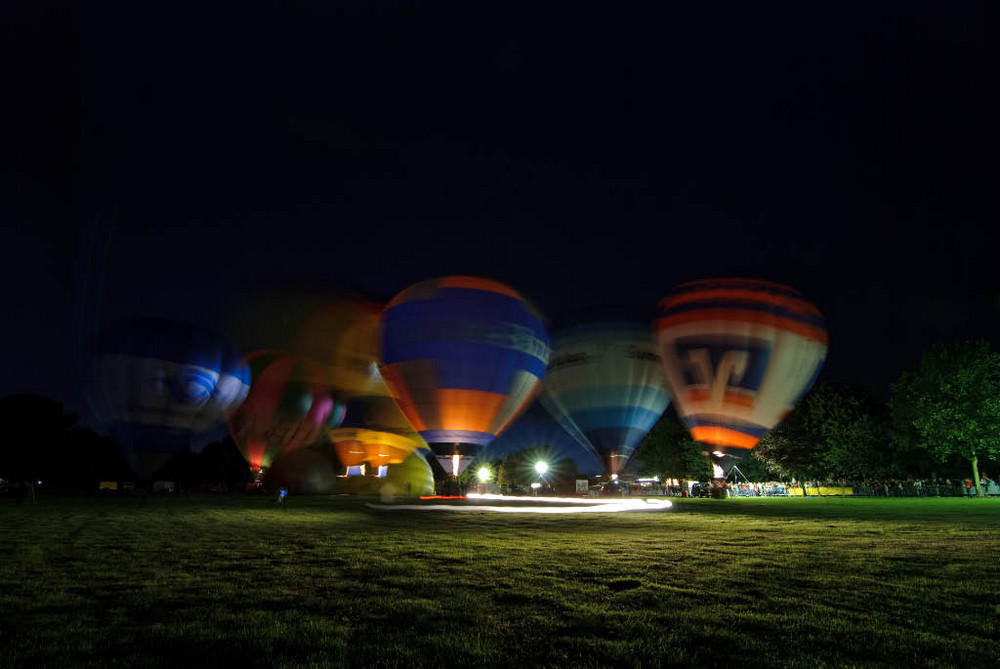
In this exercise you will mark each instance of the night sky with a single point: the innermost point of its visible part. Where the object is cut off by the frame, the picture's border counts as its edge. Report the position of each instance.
(166, 161)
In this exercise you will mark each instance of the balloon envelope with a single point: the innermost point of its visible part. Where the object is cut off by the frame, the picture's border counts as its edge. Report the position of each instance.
(462, 356)
(374, 431)
(163, 385)
(738, 354)
(411, 477)
(605, 386)
(290, 405)
(337, 329)
(344, 334)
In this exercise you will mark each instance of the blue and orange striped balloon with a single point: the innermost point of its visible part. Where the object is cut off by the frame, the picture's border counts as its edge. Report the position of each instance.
(462, 356)
(738, 355)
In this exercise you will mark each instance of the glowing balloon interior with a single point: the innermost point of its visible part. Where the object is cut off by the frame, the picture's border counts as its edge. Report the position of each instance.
(738, 354)
(376, 432)
(289, 406)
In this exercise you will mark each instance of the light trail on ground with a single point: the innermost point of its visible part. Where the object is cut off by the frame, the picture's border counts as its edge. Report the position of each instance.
(556, 505)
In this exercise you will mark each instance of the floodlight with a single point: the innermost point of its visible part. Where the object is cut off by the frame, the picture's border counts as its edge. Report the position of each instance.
(541, 467)
(484, 474)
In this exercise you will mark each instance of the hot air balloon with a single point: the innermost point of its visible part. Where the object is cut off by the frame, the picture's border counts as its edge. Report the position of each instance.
(738, 355)
(162, 387)
(413, 476)
(462, 356)
(290, 405)
(375, 432)
(605, 385)
(343, 333)
(337, 329)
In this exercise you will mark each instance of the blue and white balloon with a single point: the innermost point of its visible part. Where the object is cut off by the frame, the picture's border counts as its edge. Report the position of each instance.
(163, 386)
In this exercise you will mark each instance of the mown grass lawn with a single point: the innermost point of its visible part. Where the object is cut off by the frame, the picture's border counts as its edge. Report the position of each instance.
(242, 581)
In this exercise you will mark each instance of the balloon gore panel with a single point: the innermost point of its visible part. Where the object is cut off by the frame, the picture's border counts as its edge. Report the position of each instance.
(462, 356)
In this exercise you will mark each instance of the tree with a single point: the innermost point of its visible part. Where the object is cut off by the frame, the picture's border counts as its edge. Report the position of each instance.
(222, 462)
(789, 448)
(669, 451)
(470, 477)
(511, 470)
(84, 458)
(518, 468)
(835, 432)
(33, 430)
(758, 470)
(562, 475)
(952, 403)
(851, 432)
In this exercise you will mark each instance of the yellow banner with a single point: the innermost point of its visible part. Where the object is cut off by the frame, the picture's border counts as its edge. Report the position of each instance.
(823, 490)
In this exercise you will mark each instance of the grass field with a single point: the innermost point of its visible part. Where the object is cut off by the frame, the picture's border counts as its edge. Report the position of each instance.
(241, 581)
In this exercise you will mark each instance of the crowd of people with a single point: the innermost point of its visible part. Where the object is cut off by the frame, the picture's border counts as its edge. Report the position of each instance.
(891, 488)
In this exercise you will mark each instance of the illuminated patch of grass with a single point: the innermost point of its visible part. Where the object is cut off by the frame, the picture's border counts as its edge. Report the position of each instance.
(326, 581)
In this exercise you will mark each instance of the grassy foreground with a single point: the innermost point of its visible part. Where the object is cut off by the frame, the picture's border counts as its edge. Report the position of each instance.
(236, 581)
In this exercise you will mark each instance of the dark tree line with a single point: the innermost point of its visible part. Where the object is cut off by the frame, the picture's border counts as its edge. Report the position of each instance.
(40, 442)
(668, 451)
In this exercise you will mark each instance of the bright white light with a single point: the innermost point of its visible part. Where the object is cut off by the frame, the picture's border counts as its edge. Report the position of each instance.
(717, 471)
(484, 474)
(455, 459)
(614, 477)
(718, 454)
(541, 467)
(536, 485)
(572, 506)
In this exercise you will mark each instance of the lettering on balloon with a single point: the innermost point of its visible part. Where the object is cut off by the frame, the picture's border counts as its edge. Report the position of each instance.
(567, 360)
(635, 353)
(721, 369)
